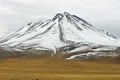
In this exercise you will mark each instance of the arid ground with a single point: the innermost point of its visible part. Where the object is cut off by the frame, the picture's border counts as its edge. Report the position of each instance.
(50, 68)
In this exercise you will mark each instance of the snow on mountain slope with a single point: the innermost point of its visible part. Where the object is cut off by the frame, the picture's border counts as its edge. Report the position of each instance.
(92, 54)
(65, 31)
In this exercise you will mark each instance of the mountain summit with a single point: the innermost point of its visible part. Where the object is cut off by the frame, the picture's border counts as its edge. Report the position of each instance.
(64, 32)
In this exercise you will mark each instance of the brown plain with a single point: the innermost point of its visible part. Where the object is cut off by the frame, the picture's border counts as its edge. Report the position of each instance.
(50, 68)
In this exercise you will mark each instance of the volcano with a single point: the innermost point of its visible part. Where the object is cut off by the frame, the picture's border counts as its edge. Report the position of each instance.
(64, 33)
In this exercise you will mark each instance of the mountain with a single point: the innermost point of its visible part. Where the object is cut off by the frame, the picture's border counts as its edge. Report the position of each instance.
(64, 33)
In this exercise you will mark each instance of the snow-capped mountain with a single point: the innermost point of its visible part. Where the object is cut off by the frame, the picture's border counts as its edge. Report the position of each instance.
(64, 32)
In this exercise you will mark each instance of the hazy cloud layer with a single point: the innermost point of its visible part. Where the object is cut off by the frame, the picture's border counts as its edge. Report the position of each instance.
(101, 13)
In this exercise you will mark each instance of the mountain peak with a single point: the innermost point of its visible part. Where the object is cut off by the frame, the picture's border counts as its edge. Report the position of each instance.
(66, 13)
(58, 16)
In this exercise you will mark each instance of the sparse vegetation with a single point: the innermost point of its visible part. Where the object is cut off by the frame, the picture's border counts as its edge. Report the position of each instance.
(51, 68)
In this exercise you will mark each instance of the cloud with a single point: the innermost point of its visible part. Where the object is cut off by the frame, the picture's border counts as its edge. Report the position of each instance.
(7, 11)
(26, 2)
(16, 13)
(2, 27)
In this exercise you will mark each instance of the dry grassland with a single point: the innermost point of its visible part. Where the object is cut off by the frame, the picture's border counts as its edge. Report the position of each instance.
(46, 68)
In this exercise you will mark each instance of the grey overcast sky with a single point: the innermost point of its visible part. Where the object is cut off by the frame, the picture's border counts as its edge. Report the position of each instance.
(104, 14)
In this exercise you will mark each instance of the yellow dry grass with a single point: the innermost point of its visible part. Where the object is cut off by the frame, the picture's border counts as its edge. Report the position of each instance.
(46, 68)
